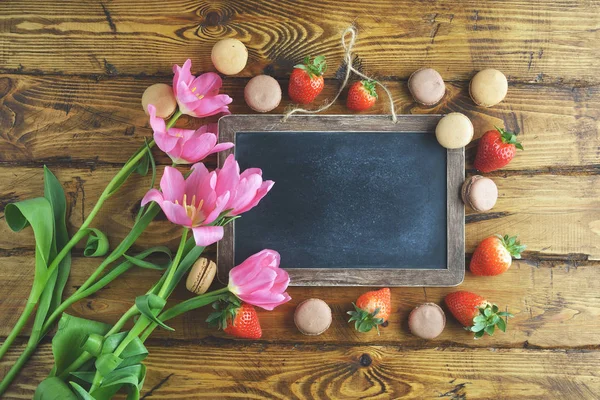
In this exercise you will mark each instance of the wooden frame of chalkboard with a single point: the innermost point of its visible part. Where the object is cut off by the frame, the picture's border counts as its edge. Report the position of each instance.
(452, 275)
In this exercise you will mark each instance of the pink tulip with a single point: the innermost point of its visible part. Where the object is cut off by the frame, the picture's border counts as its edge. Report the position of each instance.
(191, 202)
(198, 97)
(185, 146)
(246, 189)
(259, 280)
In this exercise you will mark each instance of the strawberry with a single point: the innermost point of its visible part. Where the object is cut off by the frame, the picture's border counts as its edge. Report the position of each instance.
(371, 310)
(475, 313)
(494, 255)
(496, 148)
(361, 95)
(306, 81)
(236, 318)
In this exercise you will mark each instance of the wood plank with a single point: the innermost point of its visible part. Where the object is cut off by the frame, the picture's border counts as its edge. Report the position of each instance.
(556, 305)
(555, 215)
(65, 121)
(458, 39)
(275, 371)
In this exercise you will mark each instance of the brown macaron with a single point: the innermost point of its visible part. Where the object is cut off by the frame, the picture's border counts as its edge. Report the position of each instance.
(427, 321)
(161, 96)
(479, 193)
(262, 93)
(201, 276)
(488, 87)
(312, 317)
(426, 86)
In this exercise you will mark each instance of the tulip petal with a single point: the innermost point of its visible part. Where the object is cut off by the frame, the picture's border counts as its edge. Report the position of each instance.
(194, 180)
(207, 235)
(152, 195)
(266, 299)
(165, 142)
(221, 147)
(229, 176)
(207, 84)
(172, 184)
(220, 204)
(176, 213)
(210, 105)
(157, 124)
(260, 193)
(251, 171)
(198, 147)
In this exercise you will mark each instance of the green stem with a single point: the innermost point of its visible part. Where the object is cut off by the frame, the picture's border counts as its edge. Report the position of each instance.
(183, 307)
(174, 265)
(174, 118)
(143, 322)
(29, 307)
(16, 368)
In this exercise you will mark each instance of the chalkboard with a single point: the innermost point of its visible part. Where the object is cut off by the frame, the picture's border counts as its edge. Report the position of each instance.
(348, 201)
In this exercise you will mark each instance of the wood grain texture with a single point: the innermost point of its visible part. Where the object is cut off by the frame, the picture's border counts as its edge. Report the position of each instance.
(275, 371)
(117, 38)
(65, 121)
(555, 215)
(556, 305)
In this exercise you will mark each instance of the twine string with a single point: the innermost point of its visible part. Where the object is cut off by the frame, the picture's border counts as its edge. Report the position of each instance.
(351, 30)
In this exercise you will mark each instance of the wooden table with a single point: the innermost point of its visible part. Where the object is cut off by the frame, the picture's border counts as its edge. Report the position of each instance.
(72, 77)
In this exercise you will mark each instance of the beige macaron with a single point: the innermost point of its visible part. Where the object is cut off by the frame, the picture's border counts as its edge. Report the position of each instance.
(229, 56)
(312, 317)
(201, 276)
(488, 87)
(454, 131)
(161, 96)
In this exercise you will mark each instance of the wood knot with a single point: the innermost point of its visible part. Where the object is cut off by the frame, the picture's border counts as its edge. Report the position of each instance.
(385, 324)
(365, 360)
(213, 18)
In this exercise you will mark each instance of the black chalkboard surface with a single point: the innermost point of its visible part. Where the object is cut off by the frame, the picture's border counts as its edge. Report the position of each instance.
(357, 200)
(346, 199)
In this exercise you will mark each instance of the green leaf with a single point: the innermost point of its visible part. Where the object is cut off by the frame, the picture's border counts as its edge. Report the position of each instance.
(191, 253)
(145, 264)
(501, 325)
(37, 213)
(490, 329)
(81, 392)
(487, 312)
(53, 389)
(55, 194)
(97, 243)
(479, 334)
(118, 183)
(71, 332)
(106, 363)
(148, 304)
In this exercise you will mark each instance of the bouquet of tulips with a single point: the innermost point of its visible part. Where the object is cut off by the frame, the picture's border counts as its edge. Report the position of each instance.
(94, 360)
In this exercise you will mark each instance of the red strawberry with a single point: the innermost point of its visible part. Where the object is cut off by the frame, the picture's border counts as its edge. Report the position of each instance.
(361, 95)
(475, 313)
(236, 318)
(306, 81)
(245, 325)
(371, 310)
(494, 255)
(496, 148)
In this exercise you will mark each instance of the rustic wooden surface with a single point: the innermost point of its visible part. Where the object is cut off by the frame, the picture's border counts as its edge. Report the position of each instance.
(71, 77)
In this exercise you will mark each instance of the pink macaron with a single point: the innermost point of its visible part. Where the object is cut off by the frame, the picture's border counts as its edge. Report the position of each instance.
(479, 193)
(427, 321)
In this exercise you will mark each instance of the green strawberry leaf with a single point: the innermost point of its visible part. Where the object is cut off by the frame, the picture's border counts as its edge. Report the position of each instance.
(487, 320)
(514, 247)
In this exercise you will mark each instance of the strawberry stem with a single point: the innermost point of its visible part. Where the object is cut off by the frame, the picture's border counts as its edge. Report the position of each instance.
(370, 87)
(317, 67)
(509, 138)
(488, 319)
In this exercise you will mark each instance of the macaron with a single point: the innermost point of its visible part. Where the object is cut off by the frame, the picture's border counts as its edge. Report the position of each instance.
(229, 56)
(312, 317)
(488, 87)
(161, 96)
(454, 131)
(427, 321)
(426, 86)
(262, 93)
(201, 276)
(479, 193)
